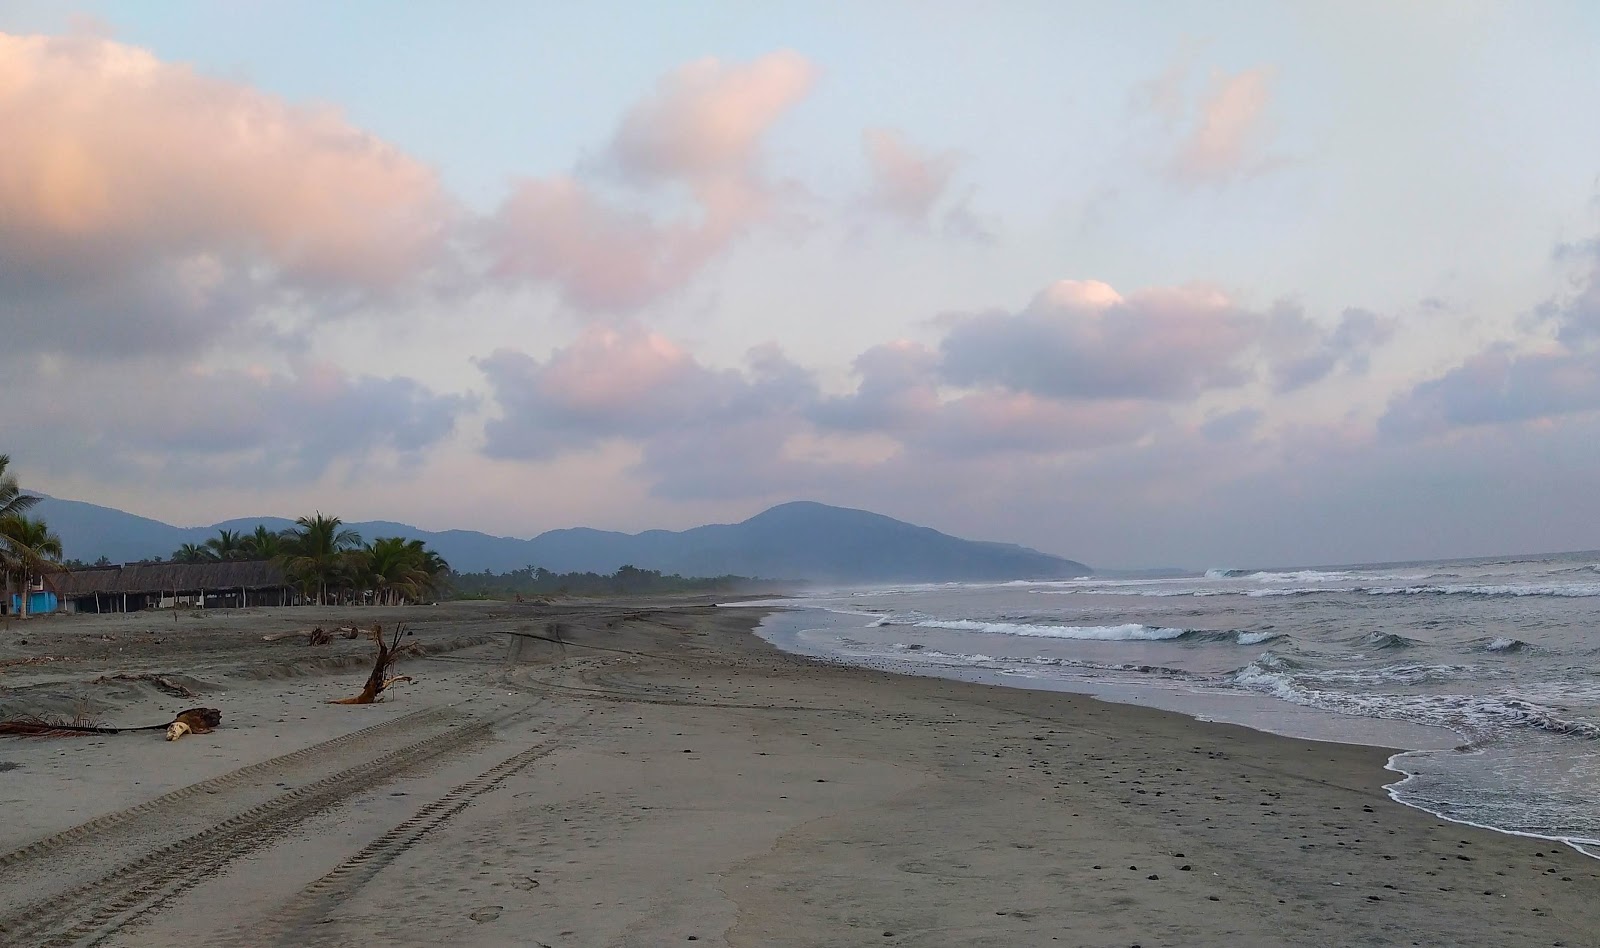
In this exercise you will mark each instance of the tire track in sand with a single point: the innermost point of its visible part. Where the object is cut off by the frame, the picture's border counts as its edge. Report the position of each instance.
(92, 912)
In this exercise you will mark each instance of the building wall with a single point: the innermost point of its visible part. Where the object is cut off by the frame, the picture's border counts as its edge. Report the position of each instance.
(38, 603)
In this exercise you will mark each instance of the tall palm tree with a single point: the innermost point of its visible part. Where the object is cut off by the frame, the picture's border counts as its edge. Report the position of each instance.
(434, 567)
(317, 552)
(12, 499)
(227, 545)
(28, 549)
(264, 544)
(193, 553)
(393, 570)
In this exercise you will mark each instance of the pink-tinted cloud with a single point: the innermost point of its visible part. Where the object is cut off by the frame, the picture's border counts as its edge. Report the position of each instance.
(705, 120)
(115, 158)
(146, 207)
(915, 187)
(905, 183)
(627, 382)
(697, 135)
(600, 255)
(1229, 132)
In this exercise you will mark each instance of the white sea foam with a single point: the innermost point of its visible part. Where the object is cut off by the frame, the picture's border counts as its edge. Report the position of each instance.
(1477, 716)
(1573, 590)
(1130, 632)
(1256, 638)
(1299, 576)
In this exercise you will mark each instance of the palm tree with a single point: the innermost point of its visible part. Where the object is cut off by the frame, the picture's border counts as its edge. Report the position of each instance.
(434, 567)
(264, 544)
(193, 553)
(12, 500)
(228, 545)
(393, 569)
(317, 552)
(28, 549)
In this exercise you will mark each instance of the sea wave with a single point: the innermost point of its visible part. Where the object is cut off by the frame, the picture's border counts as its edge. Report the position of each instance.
(1129, 632)
(1480, 717)
(1571, 590)
(920, 654)
(1507, 646)
(1385, 640)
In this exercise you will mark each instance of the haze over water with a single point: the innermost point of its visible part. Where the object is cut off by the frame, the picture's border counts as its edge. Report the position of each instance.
(1500, 653)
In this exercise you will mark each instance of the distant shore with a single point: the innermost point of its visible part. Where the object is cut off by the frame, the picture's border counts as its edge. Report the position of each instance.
(665, 774)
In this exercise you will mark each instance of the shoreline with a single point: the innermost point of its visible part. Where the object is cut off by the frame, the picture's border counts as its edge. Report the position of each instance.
(1148, 697)
(667, 773)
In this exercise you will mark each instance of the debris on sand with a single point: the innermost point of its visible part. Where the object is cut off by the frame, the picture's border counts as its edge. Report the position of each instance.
(389, 652)
(192, 721)
(160, 681)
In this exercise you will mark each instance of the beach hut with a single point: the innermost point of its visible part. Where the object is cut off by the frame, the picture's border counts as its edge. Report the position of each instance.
(138, 586)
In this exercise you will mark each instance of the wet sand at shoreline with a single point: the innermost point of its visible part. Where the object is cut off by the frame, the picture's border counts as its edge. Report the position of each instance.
(668, 776)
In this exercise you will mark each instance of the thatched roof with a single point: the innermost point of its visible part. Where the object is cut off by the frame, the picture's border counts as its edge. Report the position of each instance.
(155, 578)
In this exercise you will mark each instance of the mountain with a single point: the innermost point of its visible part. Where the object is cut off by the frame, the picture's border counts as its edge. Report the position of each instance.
(800, 540)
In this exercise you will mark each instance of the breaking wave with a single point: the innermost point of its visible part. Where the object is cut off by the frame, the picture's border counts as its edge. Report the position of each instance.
(1571, 590)
(1478, 717)
(1507, 646)
(1130, 632)
(1386, 640)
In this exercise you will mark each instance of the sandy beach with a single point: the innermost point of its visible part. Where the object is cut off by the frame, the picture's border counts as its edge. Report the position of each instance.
(668, 777)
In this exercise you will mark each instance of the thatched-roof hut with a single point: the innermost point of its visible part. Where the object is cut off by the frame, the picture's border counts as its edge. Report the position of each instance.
(158, 585)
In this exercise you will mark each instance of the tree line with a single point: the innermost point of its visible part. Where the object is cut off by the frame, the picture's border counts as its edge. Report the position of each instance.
(626, 581)
(330, 563)
(327, 561)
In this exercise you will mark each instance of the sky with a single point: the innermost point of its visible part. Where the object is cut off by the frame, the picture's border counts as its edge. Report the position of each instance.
(1142, 284)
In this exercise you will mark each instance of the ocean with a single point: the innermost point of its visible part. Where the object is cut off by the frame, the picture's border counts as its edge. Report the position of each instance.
(1484, 672)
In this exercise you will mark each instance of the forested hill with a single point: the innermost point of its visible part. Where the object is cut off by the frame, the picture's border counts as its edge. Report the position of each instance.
(800, 541)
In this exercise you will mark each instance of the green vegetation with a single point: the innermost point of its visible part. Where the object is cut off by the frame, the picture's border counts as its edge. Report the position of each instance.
(626, 581)
(329, 562)
(28, 549)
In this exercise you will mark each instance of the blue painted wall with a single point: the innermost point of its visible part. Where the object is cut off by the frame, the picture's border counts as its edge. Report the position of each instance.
(38, 603)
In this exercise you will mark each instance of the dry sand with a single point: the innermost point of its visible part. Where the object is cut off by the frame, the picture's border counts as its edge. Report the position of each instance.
(684, 782)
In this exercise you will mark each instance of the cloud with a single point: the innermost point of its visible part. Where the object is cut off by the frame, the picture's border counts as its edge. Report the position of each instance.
(1081, 339)
(251, 426)
(905, 185)
(698, 133)
(910, 186)
(1499, 386)
(1229, 131)
(600, 255)
(626, 382)
(139, 191)
(704, 122)
(1081, 369)
(1505, 384)
(1305, 353)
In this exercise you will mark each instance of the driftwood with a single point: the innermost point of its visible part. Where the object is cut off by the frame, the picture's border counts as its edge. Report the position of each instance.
(163, 683)
(192, 721)
(316, 636)
(389, 652)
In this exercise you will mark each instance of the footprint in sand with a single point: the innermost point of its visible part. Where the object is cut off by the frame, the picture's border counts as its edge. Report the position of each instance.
(486, 914)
